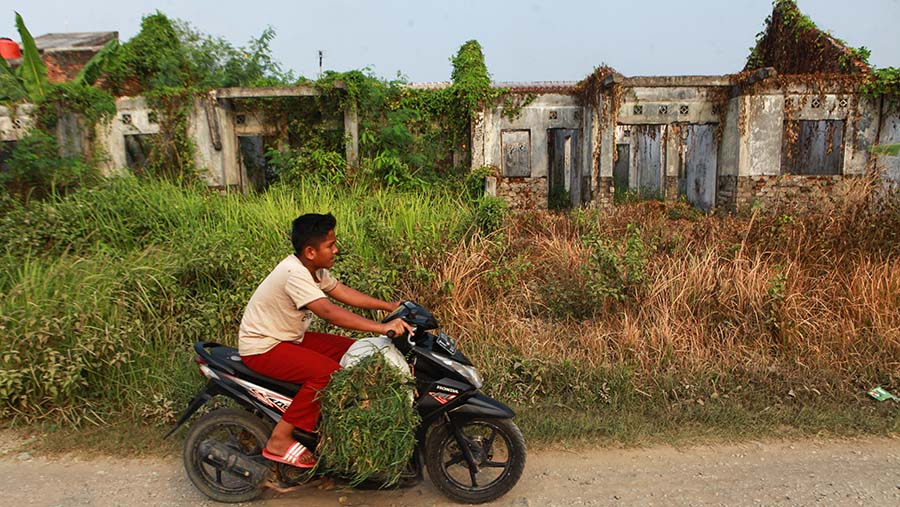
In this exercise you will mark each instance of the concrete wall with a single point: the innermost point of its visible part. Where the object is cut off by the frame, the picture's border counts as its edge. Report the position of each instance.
(751, 138)
(546, 111)
(888, 166)
(669, 107)
(755, 126)
(218, 165)
(216, 150)
(15, 123)
(133, 117)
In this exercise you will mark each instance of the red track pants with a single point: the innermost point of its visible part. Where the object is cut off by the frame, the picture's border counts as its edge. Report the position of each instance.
(311, 363)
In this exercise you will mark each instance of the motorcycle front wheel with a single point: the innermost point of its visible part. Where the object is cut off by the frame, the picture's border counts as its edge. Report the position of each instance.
(477, 464)
(240, 432)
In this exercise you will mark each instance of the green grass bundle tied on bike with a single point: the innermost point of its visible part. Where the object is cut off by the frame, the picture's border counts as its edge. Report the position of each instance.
(368, 422)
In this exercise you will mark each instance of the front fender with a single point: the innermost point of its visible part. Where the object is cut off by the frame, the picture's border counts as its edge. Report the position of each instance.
(480, 405)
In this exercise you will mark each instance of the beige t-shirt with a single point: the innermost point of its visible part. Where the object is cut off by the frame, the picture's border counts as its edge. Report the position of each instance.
(277, 311)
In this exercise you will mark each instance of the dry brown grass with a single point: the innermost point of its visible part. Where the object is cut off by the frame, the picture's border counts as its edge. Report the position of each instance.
(811, 295)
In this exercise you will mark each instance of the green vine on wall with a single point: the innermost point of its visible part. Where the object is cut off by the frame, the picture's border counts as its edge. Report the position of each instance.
(172, 153)
(406, 136)
(514, 103)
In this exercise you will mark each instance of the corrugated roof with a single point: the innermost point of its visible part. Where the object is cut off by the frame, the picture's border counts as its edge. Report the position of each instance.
(538, 86)
(73, 40)
(517, 86)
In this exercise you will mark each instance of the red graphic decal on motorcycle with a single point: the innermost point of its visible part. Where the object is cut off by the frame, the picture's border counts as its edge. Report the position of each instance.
(442, 398)
(267, 397)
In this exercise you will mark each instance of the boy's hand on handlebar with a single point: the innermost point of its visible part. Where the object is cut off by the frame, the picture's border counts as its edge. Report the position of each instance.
(398, 326)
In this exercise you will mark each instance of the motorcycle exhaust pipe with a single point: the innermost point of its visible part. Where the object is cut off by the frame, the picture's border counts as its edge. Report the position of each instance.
(227, 460)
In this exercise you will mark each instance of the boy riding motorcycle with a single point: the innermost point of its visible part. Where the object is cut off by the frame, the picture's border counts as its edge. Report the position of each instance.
(273, 337)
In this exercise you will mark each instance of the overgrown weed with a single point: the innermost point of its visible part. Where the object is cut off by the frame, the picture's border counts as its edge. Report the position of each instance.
(623, 324)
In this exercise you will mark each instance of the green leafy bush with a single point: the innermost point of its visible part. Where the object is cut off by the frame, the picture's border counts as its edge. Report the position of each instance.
(490, 213)
(290, 167)
(36, 169)
(151, 59)
(368, 422)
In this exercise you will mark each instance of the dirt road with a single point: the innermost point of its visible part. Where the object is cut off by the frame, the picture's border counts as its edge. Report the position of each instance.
(833, 473)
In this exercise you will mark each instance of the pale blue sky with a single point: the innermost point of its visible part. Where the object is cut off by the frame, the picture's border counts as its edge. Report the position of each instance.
(523, 40)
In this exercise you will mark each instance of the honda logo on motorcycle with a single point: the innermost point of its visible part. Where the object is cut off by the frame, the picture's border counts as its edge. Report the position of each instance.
(442, 398)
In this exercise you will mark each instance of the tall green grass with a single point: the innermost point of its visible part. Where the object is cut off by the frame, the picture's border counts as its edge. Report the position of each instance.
(105, 290)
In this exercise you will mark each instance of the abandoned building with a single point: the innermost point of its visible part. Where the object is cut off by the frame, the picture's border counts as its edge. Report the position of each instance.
(789, 126)
(230, 136)
(716, 141)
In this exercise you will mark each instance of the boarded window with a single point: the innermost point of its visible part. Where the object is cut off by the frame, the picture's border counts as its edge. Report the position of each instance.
(813, 147)
(516, 146)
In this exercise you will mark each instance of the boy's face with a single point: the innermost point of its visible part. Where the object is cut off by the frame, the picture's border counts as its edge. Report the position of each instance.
(323, 255)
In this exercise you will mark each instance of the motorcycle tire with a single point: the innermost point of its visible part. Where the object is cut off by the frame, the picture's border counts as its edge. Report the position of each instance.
(237, 429)
(451, 472)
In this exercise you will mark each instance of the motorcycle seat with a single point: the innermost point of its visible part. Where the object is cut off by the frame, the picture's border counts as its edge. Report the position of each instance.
(229, 356)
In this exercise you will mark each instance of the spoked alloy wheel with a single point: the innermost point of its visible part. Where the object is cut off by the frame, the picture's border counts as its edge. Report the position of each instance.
(240, 432)
(487, 464)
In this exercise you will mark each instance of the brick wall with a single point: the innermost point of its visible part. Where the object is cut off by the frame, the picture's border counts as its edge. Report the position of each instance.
(726, 193)
(65, 65)
(603, 195)
(772, 191)
(524, 193)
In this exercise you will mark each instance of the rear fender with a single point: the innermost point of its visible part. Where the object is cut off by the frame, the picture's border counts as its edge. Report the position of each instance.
(209, 390)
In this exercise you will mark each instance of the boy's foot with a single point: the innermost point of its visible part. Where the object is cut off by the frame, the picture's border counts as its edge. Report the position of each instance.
(297, 455)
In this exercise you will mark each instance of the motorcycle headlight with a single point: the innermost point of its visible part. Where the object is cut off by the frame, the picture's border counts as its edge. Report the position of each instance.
(470, 373)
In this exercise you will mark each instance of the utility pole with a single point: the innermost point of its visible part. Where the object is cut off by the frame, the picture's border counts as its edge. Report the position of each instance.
(321, 57)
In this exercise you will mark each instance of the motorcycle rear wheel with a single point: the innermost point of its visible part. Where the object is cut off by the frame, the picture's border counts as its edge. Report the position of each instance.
(237, 429)
(497, 463)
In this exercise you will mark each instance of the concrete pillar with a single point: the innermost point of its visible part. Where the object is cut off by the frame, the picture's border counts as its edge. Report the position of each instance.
(477, 143)
(351, 133)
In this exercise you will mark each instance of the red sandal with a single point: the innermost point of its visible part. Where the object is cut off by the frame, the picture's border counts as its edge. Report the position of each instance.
(292, 457)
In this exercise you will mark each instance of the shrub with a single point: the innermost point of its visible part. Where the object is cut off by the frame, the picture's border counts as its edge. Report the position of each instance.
(290, 167)
(36, 169)
(490, 213)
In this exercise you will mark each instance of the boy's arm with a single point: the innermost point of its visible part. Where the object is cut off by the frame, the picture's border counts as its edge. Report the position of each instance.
(334, 314)
(353, 297)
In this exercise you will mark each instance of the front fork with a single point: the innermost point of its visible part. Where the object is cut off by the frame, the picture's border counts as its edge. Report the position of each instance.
(463, 444)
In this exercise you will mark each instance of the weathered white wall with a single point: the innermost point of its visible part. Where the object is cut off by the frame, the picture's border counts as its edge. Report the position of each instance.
(729, 149)
(888, 165)
(217, 167)
(666, 106)
(535, 117)
(15, 123)
(132, 118)
(699, 102)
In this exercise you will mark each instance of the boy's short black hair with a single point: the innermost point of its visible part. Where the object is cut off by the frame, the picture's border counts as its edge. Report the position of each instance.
(310, 230)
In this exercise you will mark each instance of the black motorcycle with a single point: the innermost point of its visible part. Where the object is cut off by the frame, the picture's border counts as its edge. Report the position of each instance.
(473, 451)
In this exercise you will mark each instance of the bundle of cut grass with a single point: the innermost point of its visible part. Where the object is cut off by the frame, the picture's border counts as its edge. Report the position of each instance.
(368, 422)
